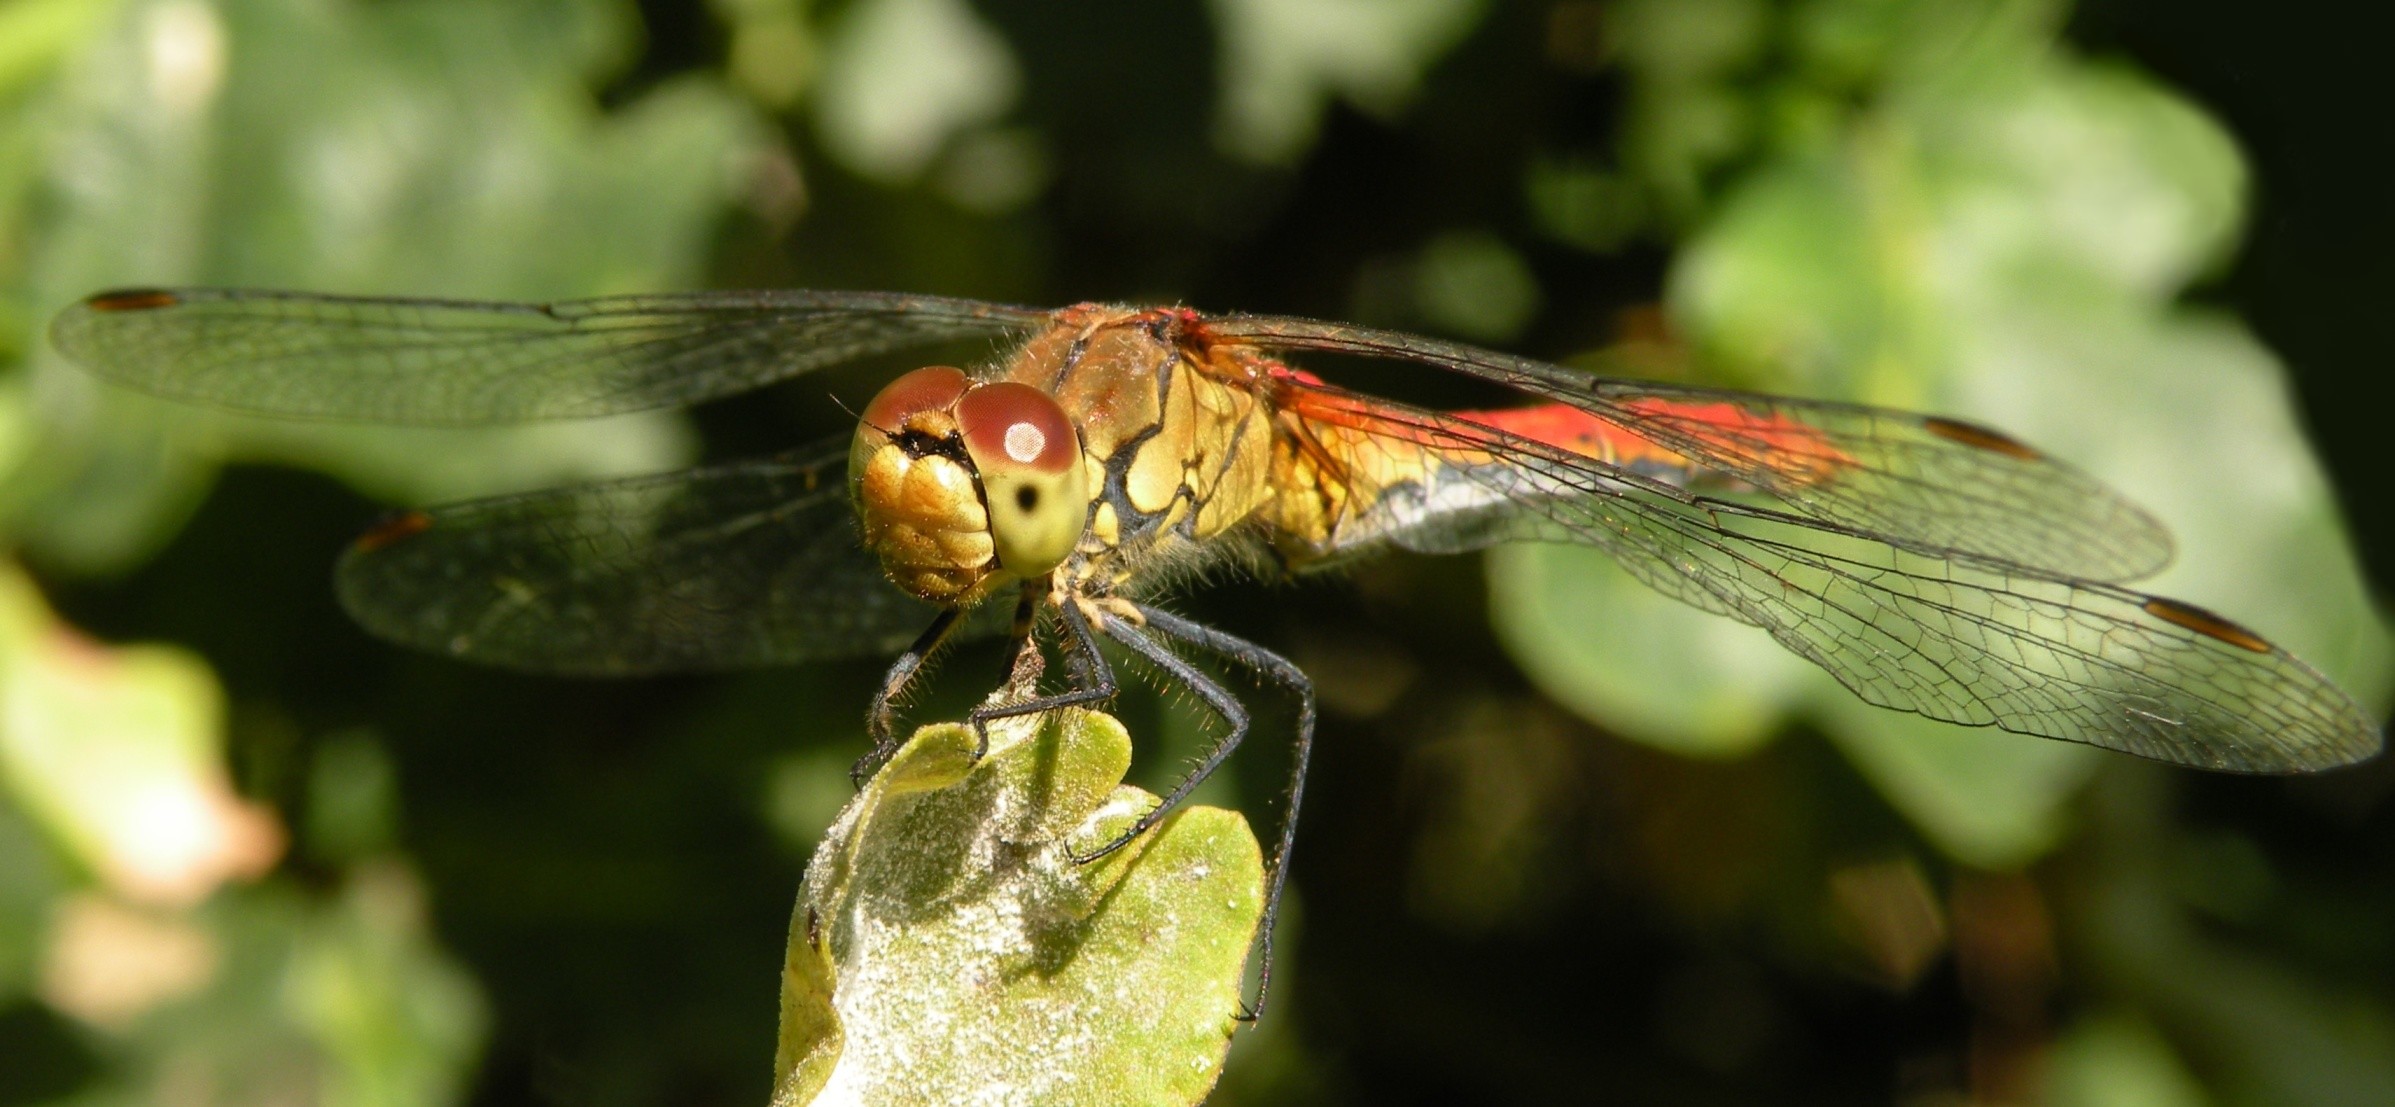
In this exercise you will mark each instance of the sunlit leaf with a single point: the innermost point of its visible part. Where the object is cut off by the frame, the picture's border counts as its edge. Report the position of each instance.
(2000, 239)
(1283, 61)
(1683, 117)
(285, 998)
(395, 1019)
(1622, 654)
(30, 881)
(948, 949)
(34, 33)
(1984, 797)
(1476, 286)
(442, 148)
(2119, 1061)
(902, 77)
(118, 753)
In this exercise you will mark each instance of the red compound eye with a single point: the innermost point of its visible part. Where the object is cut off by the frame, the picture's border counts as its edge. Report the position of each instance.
(1015, 426)
(931, 388)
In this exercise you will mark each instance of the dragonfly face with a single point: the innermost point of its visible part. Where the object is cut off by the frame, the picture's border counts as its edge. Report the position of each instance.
(1928, 565)
(962, 487)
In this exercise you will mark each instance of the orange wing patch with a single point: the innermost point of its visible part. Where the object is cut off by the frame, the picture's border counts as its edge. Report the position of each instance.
(1791, 447)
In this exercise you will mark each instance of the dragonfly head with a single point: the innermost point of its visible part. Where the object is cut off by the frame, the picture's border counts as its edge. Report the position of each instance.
(960, 484)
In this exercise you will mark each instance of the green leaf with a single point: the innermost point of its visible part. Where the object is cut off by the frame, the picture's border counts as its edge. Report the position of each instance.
(902, 77)
(948, 949)
(2119, 1060)
(1471, 283)
(118, 754)
(2001, 239)
(33, 33)
(394, 1019)
(1284, 60)
(1654, 670)
(2267, 1030)
(1984, 797)
(30, 882)
(440, 148)
(277, 995)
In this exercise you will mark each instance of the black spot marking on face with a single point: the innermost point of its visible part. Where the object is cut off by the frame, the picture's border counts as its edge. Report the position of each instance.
(920, 444)
(1027, 498)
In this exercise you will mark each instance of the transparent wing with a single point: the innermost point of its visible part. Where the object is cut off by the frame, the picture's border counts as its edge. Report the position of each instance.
(457, 363)
(755, 563)
(1959, 639)
(1935, 486)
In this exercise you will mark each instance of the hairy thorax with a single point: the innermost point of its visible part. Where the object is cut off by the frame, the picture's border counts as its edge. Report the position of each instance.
(1176, 433)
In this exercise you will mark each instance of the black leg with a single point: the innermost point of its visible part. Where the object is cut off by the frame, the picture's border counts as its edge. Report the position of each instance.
(1093, 679)
(1207, 689)
(1273, 667)
(893, 685)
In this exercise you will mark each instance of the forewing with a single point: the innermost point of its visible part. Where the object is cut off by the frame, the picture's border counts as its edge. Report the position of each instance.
(748, 564)
(1959, 639)
(1934, 486)
(460, 363)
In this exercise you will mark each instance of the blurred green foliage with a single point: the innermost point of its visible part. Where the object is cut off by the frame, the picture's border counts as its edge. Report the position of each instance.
(1609, 848)
(359, 148)
(2002, 228)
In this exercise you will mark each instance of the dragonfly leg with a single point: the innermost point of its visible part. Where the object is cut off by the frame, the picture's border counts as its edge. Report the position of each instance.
(1264, 663)
(878, 724)
(1092, 679)
(1207, 689)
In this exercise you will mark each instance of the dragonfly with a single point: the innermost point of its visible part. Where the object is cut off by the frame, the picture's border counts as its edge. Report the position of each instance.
(1106, 453)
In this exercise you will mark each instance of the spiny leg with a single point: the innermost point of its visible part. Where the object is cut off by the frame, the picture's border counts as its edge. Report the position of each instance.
(893, 685)
(1282, 671)
(1208, 690)
(1091, 677)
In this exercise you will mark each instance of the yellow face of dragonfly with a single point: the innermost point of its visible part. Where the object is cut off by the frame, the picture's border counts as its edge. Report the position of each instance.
(961, 486)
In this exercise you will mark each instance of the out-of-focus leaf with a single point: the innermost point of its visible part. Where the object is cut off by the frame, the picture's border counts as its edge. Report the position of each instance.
(1474, 285)
(2262, 1032)
(396, 1021)
(33, 33)
(1683, 119)
(2119, 1061)
(1999, 239)
(1679, 42)
(773, 51)
(1984, 797)
(1284, 60)
(902, 77)
(1583, 204)
(29, 883)
(948, 949)
(1505, 783)
(109, 964)
(343, 1001)
(118, 753)
(444, 148)
(353, 799)
(1622, 654)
